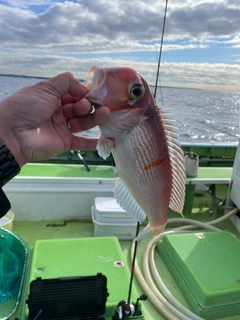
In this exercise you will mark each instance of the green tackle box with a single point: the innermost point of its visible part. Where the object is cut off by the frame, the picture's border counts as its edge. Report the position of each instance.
(67, 262)
(206, 269)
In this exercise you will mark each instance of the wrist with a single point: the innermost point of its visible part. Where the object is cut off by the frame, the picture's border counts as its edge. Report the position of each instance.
(7, 135)
(9, 167)
(13, 148)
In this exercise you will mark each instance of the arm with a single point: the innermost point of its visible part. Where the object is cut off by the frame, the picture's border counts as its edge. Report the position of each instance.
(39, 121)
(34, 121)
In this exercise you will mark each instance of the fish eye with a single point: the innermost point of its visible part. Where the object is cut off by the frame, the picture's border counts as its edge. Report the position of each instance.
(136, 91)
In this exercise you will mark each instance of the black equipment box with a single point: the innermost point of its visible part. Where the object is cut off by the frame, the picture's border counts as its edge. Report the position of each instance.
(68, 298)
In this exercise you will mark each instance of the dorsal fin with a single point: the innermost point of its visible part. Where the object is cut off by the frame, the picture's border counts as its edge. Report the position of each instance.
(177, 163)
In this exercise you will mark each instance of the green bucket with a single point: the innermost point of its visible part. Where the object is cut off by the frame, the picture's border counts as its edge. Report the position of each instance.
(13, 261)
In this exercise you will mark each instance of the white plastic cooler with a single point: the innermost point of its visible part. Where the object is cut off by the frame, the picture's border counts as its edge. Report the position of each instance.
(110, 219)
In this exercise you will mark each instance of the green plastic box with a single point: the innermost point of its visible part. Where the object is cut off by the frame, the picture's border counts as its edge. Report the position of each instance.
(206, 268)
(59, 258)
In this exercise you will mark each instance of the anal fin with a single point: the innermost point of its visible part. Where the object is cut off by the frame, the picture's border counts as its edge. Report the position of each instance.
(127, 202)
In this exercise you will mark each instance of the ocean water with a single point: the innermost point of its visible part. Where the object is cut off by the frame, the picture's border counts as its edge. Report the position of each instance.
(201, 116)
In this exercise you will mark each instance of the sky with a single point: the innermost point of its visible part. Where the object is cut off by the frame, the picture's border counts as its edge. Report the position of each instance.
(201, 44)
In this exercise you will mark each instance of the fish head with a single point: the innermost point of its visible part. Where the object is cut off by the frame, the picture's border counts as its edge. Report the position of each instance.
(117, 88)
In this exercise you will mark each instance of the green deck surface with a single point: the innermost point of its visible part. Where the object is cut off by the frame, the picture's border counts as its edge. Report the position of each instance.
(211, 173)
(66, 171)
(79, 171)
(43, 230)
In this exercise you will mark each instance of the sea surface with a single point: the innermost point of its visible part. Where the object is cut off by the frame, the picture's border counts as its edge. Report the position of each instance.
(201, 116)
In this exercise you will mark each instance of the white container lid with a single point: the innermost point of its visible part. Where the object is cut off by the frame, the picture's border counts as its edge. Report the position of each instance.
(107, 205)
(107, 210)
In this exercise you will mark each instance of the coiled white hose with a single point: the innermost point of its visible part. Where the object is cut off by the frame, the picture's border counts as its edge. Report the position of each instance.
(158, 293)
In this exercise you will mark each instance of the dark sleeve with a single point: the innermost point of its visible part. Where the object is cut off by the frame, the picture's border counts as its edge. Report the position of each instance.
(4, 203)
(9, 168)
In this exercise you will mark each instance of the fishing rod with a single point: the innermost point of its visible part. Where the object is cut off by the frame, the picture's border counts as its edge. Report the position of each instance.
(133, 265)
(160, 50)
(126, 309)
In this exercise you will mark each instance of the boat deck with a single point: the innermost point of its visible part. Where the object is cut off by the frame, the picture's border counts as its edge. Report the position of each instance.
(32, 231)
(201, 209)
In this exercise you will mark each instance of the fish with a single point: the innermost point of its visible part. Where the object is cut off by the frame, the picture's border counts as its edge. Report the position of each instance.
(142, 138)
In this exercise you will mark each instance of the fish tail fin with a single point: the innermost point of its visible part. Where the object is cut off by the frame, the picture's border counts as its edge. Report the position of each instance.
(149, 231)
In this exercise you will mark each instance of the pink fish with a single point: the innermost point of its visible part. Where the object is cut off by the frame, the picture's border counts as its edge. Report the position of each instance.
(149, 160)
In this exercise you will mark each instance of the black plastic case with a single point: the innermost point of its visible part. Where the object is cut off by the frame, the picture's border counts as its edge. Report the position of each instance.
(68, 298)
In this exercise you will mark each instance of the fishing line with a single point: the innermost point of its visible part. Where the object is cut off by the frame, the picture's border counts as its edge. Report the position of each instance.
(160, 51)
(133, 265)
(155, 92)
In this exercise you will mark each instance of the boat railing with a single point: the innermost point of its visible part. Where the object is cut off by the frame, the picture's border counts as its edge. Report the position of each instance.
(210, 155)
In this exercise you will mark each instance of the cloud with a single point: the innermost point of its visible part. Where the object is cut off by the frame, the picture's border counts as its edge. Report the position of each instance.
(25, 4)
(195, 75)
(100, 25)
(88, 25)
(72, 35)
(202, 20)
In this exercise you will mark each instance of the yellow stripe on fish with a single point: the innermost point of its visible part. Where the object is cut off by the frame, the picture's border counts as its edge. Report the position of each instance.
(156, 163)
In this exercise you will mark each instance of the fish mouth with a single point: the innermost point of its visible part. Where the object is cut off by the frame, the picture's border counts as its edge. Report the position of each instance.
(95, 82)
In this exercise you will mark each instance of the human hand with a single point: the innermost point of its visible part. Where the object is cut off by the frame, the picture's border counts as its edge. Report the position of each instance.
(34, 121)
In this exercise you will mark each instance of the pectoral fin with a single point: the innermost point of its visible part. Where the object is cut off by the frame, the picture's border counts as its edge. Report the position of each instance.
(104, 146)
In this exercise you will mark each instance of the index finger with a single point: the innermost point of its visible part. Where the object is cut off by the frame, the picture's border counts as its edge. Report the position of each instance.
(65, 83)
(69, 99)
